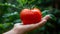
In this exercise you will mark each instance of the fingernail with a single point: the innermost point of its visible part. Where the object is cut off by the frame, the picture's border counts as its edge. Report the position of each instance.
(44, 20)
(47, 17)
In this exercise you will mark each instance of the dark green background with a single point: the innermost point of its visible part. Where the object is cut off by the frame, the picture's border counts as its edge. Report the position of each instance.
(10, 9)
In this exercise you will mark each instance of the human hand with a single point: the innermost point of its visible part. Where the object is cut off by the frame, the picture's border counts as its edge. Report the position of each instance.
(19, 28)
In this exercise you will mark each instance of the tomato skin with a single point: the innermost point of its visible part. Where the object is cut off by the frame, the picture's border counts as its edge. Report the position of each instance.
(30, 16)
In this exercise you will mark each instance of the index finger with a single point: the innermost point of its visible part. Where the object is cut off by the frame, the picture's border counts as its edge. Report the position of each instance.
(44, 20)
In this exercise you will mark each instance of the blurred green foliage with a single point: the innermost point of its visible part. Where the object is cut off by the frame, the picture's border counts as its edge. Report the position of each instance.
(10, 10)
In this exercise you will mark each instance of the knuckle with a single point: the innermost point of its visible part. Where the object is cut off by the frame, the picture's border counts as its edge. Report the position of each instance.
(44, 20)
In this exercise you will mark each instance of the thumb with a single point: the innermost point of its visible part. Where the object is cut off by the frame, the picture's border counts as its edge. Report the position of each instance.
(18, 24)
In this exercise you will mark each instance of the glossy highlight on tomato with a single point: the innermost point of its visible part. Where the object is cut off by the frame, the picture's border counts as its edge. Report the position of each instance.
(30, 16)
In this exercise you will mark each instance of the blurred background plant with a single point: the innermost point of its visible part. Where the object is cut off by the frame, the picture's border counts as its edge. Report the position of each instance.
(10, 9)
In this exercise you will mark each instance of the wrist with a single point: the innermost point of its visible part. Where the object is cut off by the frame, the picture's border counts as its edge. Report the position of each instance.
(13, 31)
(17, 31)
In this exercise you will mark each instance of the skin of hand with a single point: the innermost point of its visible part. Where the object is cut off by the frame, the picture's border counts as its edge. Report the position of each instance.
(19, 28)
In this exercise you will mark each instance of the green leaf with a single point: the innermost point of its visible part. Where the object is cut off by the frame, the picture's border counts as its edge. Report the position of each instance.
(45, 12)
(52, 17)
(22, 2)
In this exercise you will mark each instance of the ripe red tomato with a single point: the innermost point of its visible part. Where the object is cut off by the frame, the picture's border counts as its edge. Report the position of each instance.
(30, 16)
